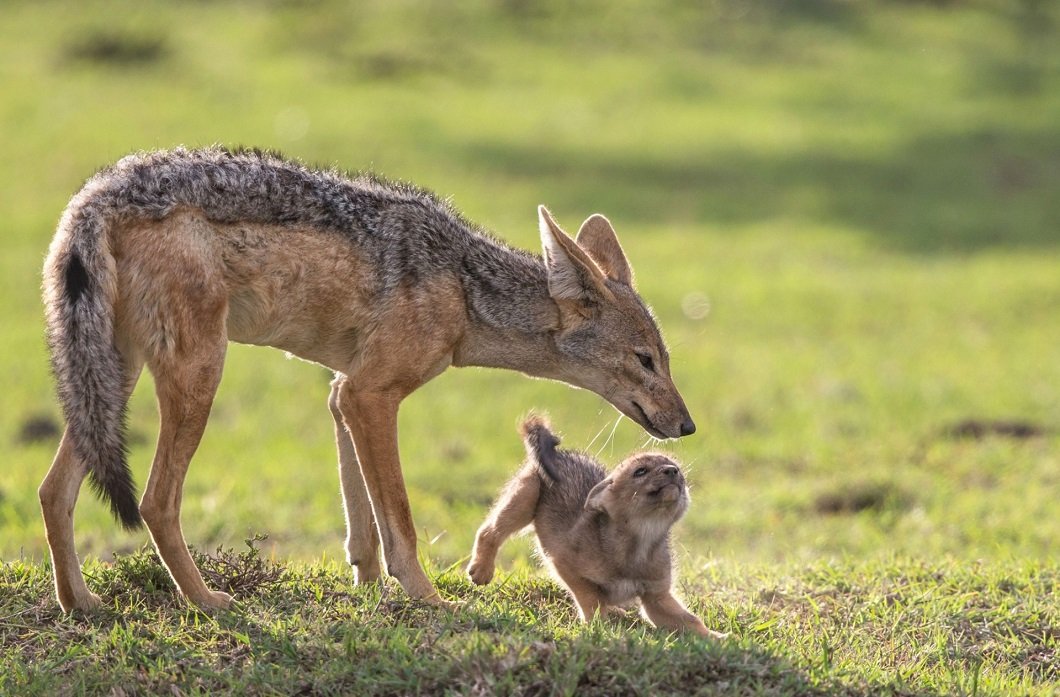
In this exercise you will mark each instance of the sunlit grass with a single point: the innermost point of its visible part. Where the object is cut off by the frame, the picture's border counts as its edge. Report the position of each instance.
(844, 215)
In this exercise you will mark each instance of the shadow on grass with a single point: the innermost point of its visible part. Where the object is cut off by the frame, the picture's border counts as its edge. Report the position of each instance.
(939, 193)
(309, 631)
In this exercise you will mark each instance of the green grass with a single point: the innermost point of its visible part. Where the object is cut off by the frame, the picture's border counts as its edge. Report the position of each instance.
(899, 626)
(844, 215)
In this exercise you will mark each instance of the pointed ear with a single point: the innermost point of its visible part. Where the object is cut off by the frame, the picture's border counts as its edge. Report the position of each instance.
(599, 497)
(572, 275)
(599, 240)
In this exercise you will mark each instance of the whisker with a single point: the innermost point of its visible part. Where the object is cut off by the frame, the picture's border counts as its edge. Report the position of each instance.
(611, 436)
(602, 428)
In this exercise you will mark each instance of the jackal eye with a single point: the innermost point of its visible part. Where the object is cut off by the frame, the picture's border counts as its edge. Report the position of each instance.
(640, 471)
(646, 361)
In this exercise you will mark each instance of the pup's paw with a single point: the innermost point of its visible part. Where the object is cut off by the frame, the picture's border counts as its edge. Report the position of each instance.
(480, 572)
(711, 634)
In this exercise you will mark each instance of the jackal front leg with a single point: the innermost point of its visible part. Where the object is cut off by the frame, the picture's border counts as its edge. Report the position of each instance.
(512, 512)
(371, 418)
(666, 612)
(362, 538)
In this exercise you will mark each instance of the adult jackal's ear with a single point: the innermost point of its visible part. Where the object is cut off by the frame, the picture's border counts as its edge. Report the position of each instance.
(573, 277)
(598, 238)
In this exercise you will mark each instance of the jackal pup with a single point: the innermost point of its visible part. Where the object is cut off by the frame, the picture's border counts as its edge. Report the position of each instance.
(606, 537)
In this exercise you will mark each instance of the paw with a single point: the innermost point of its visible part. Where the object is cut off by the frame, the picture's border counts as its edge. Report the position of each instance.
(441, 603)
(701, 629)
(480, 572)
(434, 599)
(366, 574)
(82, 602)
(215, 600)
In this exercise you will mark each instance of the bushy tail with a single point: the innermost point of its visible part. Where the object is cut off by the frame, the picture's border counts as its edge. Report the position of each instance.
(79, 286)
(541, 445)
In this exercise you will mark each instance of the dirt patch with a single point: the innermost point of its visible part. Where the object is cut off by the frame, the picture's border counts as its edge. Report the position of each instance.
(978, 429)
(110, 48)
(39, 428)
(855, 498)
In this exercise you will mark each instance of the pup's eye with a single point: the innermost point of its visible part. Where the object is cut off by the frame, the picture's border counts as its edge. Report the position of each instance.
(646, 361)
(640, 471)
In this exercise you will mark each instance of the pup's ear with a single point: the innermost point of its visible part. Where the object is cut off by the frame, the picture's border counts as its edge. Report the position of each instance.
(541, 444)
(599, 240)
(574, 279)
(599, 497)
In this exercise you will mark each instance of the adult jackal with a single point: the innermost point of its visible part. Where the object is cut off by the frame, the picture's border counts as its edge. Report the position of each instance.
(165, 257)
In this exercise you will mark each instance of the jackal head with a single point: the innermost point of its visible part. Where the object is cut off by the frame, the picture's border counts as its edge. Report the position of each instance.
(607, 336)
(648, 490)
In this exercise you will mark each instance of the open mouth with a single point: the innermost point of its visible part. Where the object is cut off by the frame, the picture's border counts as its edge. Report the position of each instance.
(646, 422)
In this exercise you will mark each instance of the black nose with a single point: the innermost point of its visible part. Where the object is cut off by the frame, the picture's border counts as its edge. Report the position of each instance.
(670, 471)
(688, 427)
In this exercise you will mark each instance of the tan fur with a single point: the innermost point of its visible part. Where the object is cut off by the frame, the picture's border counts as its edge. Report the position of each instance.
(606, 539)
(165, 258)
(300, 297)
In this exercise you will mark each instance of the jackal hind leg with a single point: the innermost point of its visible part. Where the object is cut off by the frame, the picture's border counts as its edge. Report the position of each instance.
(58, 496)
(186, 381)
(512, 512)
(587, 596)
(362, 537)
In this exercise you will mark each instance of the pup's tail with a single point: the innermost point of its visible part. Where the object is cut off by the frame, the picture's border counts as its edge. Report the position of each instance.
(79, 290)
(541, 445)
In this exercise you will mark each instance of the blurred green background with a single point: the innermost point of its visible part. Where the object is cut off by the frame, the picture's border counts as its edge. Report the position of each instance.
(845, 214)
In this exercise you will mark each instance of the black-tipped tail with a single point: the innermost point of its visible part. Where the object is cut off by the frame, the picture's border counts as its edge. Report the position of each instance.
(89, 369)
(113, 483)
(541, 444)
